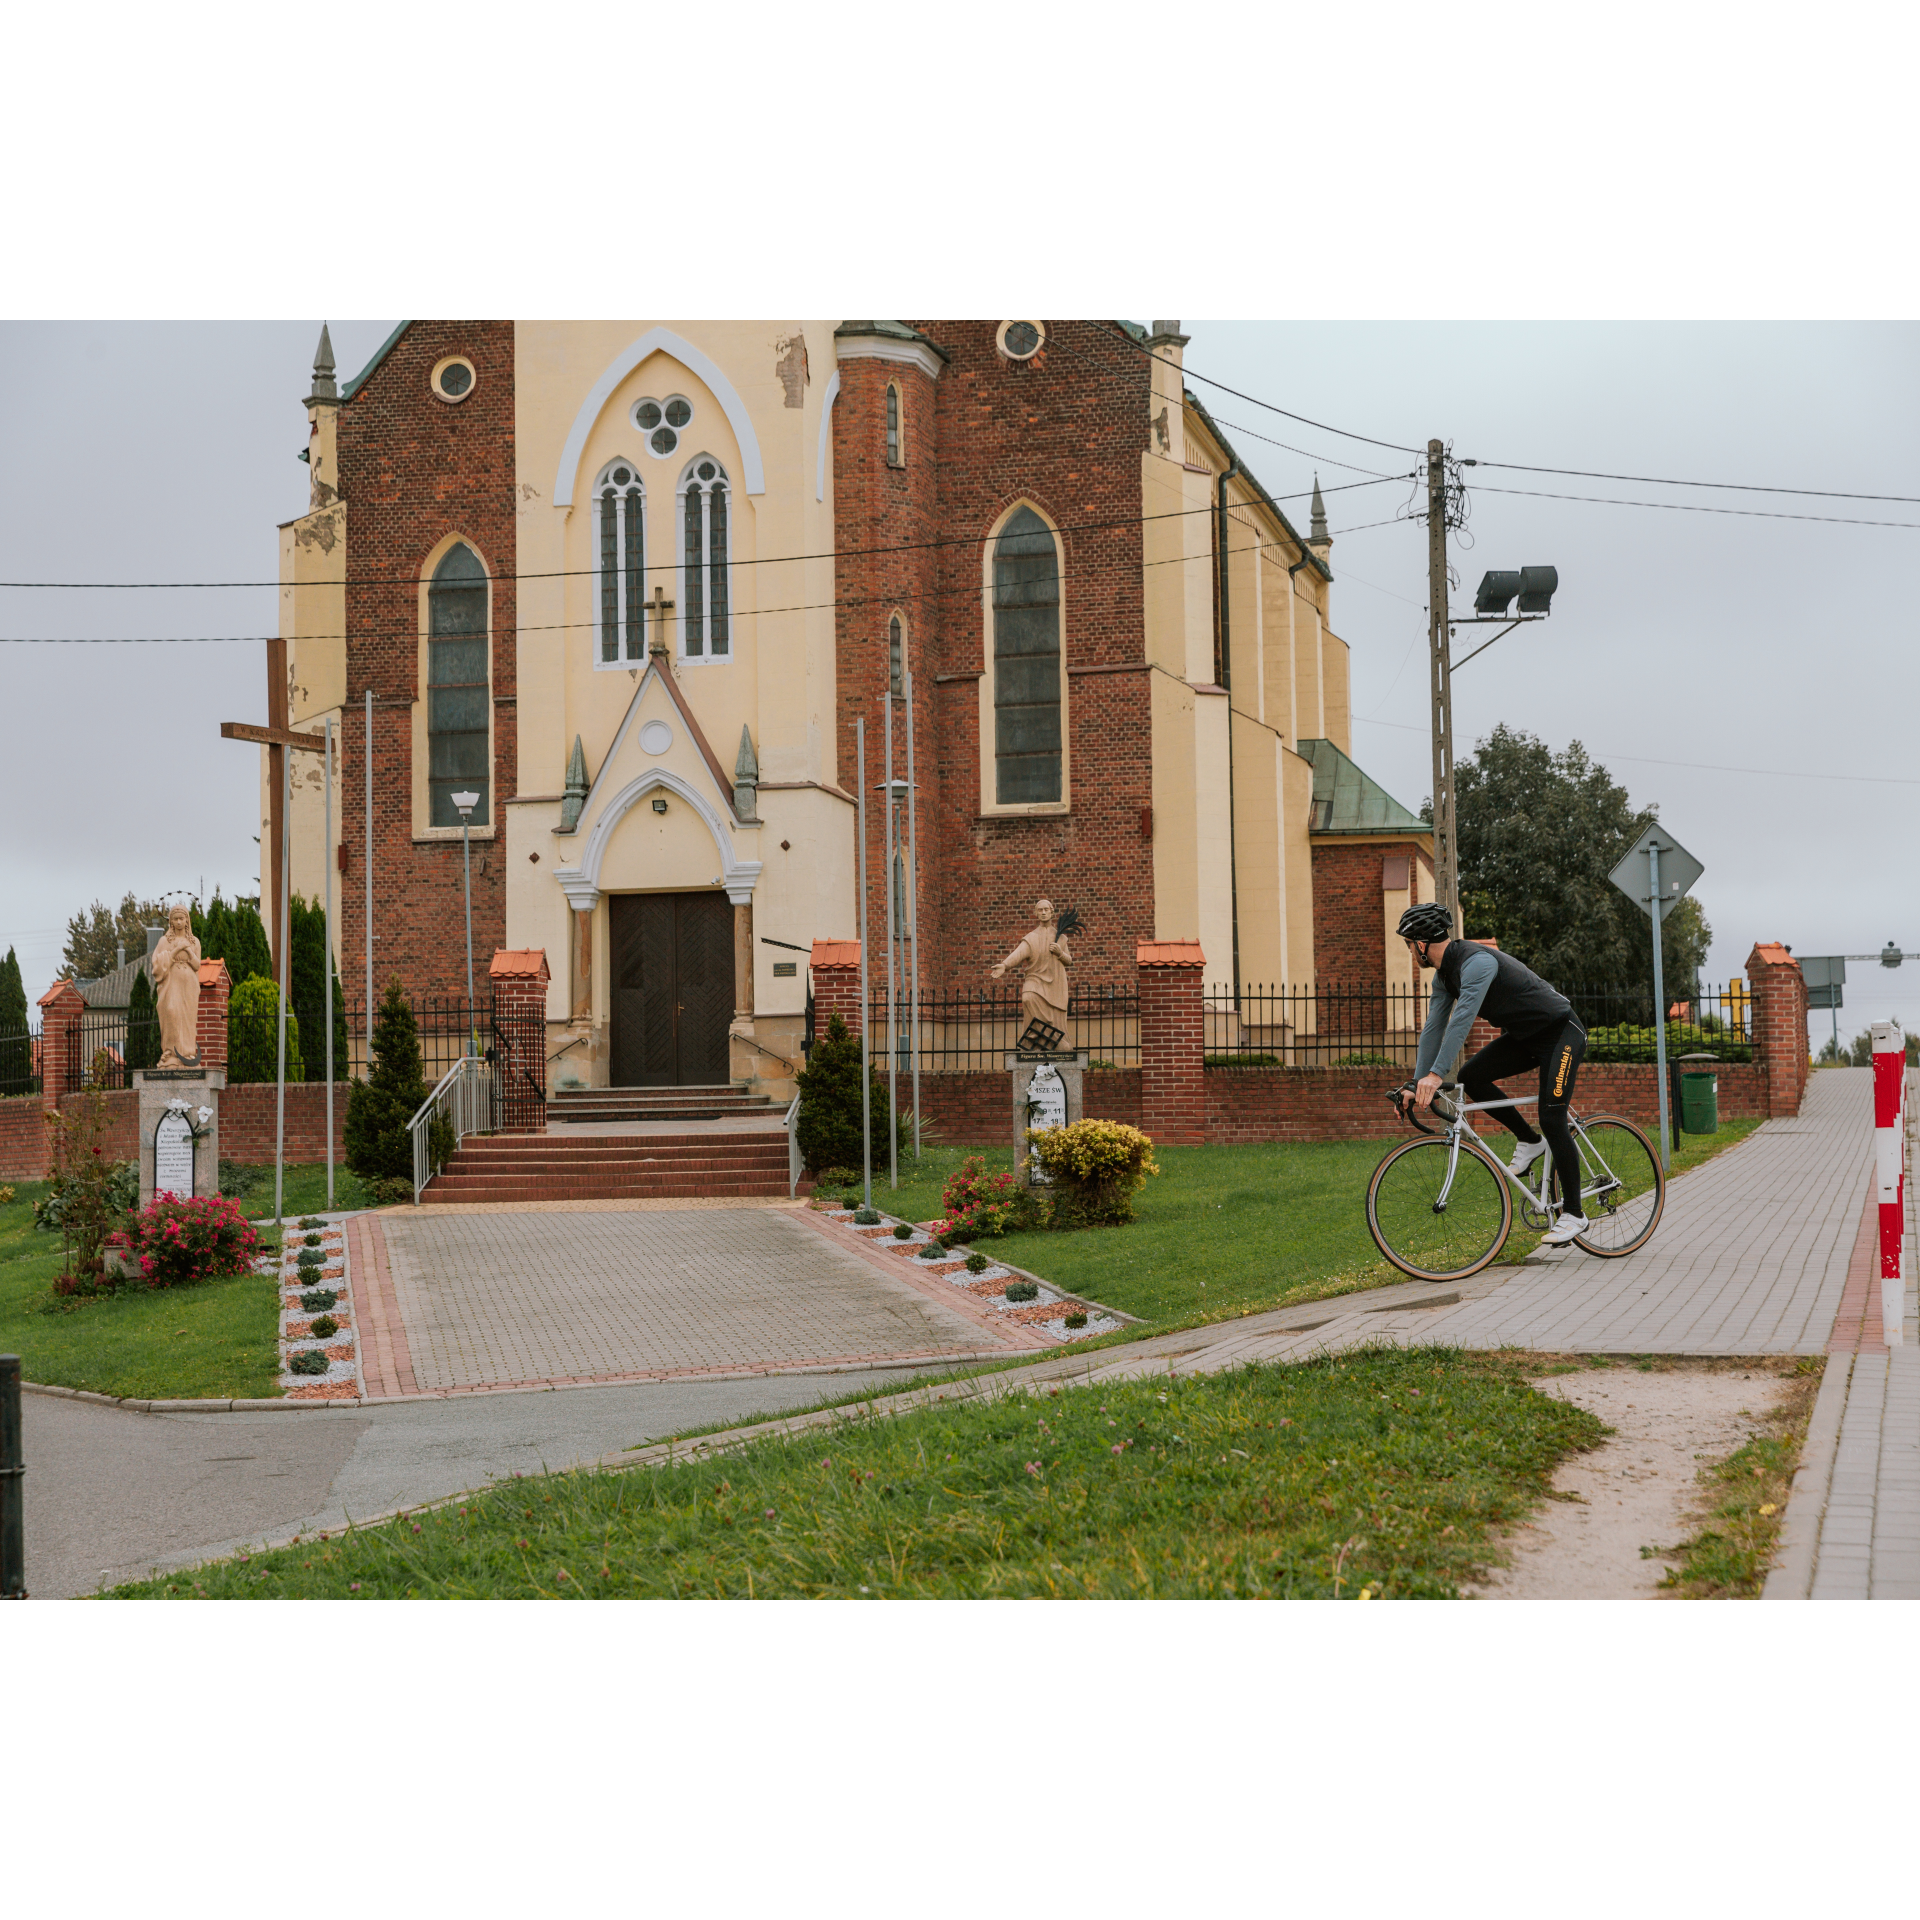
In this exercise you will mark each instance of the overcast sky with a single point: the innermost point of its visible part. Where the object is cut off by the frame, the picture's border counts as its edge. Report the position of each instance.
(1744, 673)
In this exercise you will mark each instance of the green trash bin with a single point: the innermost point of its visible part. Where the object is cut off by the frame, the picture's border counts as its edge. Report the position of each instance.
(1699, 1097)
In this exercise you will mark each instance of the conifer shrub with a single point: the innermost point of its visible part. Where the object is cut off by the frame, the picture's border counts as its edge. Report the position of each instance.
(829, 1126)
(253, 1034)
(379, 1147)
(143, 1023)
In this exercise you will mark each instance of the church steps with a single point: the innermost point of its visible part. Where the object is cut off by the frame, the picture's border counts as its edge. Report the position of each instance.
(527, 1167)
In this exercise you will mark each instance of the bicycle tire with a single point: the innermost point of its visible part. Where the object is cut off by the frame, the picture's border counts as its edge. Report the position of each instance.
(1629, 1213)
(1474, 1230)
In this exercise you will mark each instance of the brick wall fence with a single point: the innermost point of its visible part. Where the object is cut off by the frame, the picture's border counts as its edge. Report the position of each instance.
(1174, 1098)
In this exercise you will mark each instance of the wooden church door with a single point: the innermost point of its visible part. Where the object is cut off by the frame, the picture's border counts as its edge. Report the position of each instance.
(672, 988)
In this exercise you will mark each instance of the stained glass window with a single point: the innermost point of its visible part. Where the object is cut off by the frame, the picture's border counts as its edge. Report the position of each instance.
(704, 596)
(893, 426)
(621, 562)
(896, 662)
(1026, 663)
(457, 692)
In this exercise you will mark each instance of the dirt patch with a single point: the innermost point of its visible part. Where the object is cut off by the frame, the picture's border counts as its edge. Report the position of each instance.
(1640, 1489)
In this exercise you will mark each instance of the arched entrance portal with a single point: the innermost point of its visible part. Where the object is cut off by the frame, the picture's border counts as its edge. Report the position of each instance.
(671, 988)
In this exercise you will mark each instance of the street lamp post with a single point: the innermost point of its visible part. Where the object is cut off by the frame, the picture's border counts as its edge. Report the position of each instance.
(466, 802)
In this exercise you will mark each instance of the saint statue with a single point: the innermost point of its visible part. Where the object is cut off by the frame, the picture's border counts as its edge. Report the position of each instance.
(1046, 956)
(176, 989)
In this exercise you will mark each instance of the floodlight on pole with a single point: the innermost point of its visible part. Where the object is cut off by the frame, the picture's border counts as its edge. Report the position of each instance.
(465, 803)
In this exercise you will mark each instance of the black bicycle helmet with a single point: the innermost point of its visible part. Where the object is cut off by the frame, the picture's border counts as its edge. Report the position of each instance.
(1426, 920)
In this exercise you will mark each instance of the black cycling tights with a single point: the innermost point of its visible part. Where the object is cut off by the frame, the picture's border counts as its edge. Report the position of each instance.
(1556, 1051)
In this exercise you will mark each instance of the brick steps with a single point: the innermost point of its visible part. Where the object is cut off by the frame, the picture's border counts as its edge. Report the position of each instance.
(598, 1167)
(605, 1104)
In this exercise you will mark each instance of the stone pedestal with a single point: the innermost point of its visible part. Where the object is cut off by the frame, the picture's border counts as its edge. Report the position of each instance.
(1072, 1069)
(156, 1089)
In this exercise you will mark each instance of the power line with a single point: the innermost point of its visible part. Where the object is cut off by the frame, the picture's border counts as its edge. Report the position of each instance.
(1693, 506)
(1727, 486)
(1696, 766)
(769, 560)
(968, 591)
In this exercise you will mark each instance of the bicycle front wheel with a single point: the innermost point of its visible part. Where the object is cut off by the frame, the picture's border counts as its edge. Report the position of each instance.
(1622, 1189)
(1433, 1226)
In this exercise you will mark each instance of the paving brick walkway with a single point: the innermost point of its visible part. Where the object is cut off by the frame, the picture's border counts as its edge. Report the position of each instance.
(459, 1302)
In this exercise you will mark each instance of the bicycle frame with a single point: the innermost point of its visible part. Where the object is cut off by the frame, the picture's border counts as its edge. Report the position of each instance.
(1456, 1129)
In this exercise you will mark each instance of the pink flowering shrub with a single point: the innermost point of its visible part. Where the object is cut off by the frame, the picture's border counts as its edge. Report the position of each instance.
(976, 1202)
(176, 1242)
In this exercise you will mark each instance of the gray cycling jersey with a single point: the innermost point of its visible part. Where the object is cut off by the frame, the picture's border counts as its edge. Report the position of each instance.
(1472, 980)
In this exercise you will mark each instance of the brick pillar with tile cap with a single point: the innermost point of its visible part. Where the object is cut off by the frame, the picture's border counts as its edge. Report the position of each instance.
(216, 988)
(835, 967)
(61, 1011)
(1778, 1018)
(1173, 1089)
(519, 978)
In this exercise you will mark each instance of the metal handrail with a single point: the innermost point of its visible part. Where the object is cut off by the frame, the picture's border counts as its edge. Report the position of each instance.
(465, 1098)
(794, 1167)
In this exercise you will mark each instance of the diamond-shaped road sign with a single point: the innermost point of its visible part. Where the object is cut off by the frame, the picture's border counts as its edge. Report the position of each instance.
(1678, 871)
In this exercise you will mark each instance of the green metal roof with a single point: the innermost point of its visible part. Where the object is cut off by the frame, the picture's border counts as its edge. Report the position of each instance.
(351, 387)
(1346, 801)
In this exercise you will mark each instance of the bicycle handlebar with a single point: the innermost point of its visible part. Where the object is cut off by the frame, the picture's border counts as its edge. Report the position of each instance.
(1402, 1103)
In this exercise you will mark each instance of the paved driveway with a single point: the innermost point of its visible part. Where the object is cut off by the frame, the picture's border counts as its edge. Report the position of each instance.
(493, 1299)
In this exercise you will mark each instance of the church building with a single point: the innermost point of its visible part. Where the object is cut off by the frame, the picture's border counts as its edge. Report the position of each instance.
(631, 585)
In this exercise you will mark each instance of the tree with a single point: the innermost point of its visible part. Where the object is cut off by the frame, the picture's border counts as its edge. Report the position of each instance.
(310, 965)
(143, 1023)
(829, 1126)
(1539, 832)
(95, 937)
(16, 1043)
(253, 1034)
(379, 1145)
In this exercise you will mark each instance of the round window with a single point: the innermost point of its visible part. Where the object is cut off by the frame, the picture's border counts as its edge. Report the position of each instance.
(621, 475)
(1021, 339)
(453, 379)
(661, 421)
(707, 470)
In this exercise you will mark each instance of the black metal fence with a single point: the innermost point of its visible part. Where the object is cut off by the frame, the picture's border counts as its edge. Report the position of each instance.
(1324, 1026)
(1339, 1026)
(973, 1030)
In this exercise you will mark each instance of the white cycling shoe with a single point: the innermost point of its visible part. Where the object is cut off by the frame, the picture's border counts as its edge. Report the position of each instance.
(1566, 1229)
(1524, 1156)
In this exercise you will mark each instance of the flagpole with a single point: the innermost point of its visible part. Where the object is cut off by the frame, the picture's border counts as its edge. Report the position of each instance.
(866, 1009)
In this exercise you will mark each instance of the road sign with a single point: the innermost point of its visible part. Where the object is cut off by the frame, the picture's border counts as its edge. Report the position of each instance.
(1678, 871)
(1826, 977)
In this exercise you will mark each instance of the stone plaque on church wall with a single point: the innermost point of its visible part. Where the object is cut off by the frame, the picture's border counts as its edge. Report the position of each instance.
(173, 1156)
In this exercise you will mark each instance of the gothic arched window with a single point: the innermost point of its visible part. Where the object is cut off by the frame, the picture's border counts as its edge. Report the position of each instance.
(458, 706)
(1026, 663)
(620, 563)
(896, 454)
(896, 656)
(705, 621)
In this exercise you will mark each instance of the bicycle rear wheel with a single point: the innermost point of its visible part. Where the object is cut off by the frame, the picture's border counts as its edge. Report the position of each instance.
(1623, 1191)
(1429, 1228)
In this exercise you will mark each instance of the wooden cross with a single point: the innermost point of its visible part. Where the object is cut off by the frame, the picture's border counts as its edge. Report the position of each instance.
(659, 610)
(277, 739)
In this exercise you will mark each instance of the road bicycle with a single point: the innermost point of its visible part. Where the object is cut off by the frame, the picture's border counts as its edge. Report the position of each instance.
(1441, 1208)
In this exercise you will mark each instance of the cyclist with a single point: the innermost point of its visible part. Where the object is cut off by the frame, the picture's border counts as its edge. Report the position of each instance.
(1538, 1028)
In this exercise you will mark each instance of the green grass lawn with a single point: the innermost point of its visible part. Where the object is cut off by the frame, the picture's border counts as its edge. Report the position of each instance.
(1376, 1475)
(215, 1341)
(305, 1189)
(1223, 1230)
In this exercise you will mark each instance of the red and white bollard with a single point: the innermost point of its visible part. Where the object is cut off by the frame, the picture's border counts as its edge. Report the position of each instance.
(1890, 1165)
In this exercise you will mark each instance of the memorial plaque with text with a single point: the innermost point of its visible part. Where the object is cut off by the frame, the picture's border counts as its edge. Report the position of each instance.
(173, 1156)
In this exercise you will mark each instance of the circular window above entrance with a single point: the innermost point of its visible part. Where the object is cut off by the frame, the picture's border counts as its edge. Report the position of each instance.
(452, 379)
(656, 737)
(1021, 339)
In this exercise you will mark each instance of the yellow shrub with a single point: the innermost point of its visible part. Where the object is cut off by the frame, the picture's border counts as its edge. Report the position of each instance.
(1096, 1166)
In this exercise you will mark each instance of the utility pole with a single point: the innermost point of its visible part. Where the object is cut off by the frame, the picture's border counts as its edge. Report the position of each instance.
(1446, 871)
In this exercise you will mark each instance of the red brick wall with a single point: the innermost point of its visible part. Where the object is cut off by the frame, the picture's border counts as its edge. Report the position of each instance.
(1349, 946)
(1173, 1096)
(121, 1140)
(247, 1122)
(837, 990)
(1780, 1024)
(1064, 430)
(414, 469)
(23, 1137)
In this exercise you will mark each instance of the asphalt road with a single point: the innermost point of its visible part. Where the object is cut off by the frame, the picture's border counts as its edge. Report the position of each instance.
(114, 1496)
